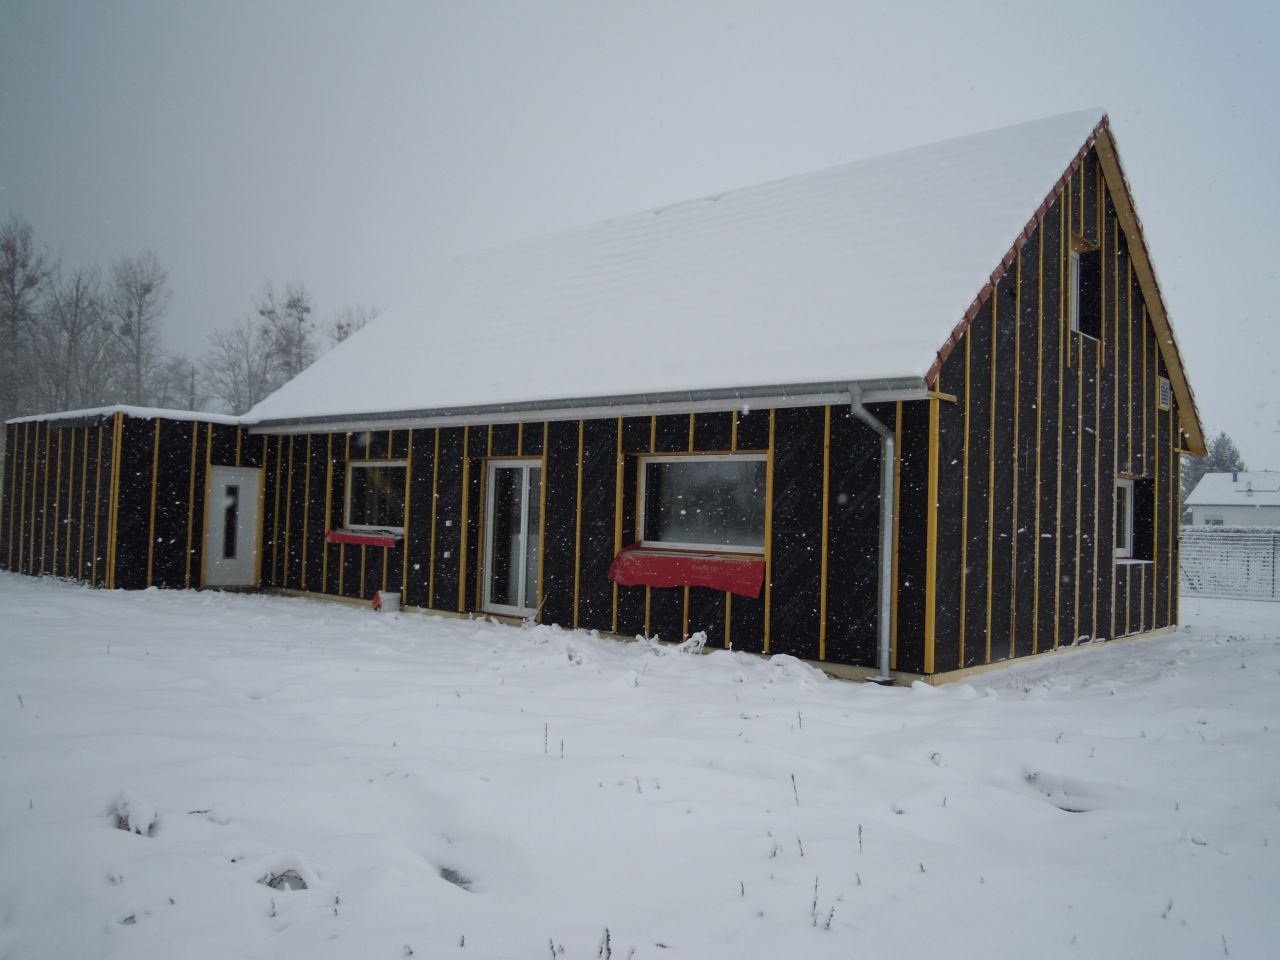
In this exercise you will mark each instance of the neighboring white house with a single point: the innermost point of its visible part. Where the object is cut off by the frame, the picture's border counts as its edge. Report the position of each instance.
(1244, 499)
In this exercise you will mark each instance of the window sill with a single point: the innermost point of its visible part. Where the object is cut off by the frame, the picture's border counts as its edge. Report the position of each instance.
(364, 538)
(738, 573)
(1132, 561)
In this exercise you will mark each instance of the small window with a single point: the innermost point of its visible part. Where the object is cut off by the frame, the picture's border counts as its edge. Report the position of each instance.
(1135, 518)
(1124, 518)
(708, 503)
(375, 495)
(1213, 520)
(1084, 290)
(1166, 394)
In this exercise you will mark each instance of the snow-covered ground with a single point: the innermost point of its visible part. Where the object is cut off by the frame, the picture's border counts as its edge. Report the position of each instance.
(462, 789)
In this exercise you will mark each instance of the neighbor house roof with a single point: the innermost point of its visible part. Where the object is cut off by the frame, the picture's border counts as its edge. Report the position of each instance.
(866, 272)
(1259, 488)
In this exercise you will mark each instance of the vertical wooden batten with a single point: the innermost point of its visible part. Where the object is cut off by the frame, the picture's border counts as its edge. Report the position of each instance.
(648, 590)
(408, 502)
(542, 516)
(1017, 410)
(208, 496)
(964, 503)
(577, 528)
(306, 513)
(462, 532)
(618, 467)
(1035, 594)
(84, 489)
(991, 471)
(97, 506)
(191, 504)
(896, 533)
(262, 502)
(768, 526)
(435, 499)
(44, 498)
(931, 544)
(1062, 375)
(288, 513)
(113, 532)
(826, 533)
(151, 517)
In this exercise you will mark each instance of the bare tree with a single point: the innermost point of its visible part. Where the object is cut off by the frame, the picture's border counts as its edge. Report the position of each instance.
(349, 319)
(23, 271)
(136, 302)
(178, 384)
(72, 346)
(289, 329)
(239, 369)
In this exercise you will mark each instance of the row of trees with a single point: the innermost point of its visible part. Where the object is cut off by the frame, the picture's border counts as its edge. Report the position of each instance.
(86, 337)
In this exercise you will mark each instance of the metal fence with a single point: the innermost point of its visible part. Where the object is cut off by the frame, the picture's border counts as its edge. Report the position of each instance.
(1230, 562)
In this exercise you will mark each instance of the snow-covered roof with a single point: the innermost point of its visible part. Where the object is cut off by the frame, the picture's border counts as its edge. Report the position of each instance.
(855, 273)
(145, 413)
(1258, 488)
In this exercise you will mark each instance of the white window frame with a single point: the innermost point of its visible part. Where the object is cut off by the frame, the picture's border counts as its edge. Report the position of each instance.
(641, 499)
(1124, 550)
(346, 510)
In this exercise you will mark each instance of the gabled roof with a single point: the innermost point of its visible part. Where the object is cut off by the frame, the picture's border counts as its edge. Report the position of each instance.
(863, 273)
(1259, 488)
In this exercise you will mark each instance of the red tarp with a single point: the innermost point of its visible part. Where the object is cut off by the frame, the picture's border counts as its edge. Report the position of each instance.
(638, 566)
(362, 538)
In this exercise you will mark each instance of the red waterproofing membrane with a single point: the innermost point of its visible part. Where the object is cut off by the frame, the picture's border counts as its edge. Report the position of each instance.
(362, 539)
(636, 566)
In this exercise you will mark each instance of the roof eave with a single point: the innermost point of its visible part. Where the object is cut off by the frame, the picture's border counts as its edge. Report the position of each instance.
(776, 396)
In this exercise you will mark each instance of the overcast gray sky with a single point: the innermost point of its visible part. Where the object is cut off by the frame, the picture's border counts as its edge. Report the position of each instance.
(348, 146)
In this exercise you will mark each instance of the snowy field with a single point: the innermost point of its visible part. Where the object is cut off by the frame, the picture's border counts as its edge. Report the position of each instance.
(462, 789)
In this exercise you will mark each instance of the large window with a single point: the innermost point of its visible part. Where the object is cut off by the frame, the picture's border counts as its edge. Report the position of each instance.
(375, 495)
(709, 503)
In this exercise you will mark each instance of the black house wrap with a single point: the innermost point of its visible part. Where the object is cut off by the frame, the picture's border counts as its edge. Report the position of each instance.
(114, 498)
(1034, 484)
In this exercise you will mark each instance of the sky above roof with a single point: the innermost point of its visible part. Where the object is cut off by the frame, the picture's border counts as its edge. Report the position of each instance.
(353, 150)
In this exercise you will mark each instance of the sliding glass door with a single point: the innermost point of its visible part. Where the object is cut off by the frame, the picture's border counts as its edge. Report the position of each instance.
(512, 517)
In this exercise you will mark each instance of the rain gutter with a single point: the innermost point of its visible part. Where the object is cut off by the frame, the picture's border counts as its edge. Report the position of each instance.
(857, 397)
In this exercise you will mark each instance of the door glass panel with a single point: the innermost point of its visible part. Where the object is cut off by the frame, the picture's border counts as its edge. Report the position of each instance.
(504, 570)
(230, 520)
(530, 598)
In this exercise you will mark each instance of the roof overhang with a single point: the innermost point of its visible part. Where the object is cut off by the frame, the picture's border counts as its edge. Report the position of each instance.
(879, 390)
(1122, 197)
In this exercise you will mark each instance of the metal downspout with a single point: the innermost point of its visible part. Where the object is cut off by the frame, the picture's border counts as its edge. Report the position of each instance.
(887, 454)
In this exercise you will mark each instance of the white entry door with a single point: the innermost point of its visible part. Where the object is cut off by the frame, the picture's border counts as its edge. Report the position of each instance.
(511, 537)
(231, 530)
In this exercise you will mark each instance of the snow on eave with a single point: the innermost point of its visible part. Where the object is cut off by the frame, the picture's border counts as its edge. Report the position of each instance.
(139, 413)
